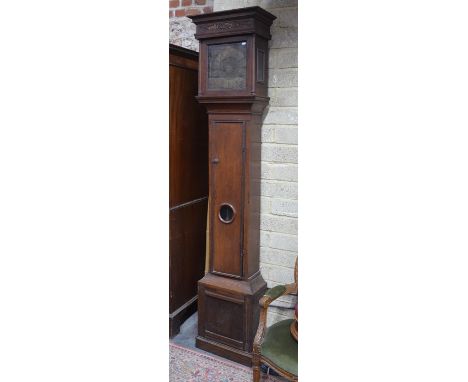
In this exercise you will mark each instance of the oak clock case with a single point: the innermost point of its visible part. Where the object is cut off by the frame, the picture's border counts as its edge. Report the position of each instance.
(233, 88)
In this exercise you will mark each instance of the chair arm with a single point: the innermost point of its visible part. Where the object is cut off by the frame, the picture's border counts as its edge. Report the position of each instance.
(276, 292)
(261, 329)
(271, 295)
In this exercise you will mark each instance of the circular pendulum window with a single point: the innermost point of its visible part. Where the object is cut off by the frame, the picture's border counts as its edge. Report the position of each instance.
(226, 213)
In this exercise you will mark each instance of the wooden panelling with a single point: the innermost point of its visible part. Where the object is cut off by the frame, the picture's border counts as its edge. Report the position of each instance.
(187, 247)
(188, 186)
(222, 318)
(188, 137)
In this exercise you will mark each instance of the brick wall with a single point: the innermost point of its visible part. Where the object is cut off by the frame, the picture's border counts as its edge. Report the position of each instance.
(279, 214)
(181, 8)
(181, 29)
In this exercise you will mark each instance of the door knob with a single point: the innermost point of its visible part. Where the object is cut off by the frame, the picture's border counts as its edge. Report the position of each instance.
(215, 161)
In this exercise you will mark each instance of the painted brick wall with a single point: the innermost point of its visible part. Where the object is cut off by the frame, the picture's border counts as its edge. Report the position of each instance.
(279, 214)
(181, 29)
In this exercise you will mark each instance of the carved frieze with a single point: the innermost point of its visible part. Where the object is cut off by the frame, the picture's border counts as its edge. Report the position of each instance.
(225, 26)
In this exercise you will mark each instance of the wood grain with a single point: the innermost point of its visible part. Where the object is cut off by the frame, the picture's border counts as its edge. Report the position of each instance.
(188, 186)
(226, 174)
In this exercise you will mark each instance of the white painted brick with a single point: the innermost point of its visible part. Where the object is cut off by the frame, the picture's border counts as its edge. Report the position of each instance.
(278, 189)
(272, 284)
(268, 133)
(283, 58)
(222, 5)
(264, 239)
(283, 96)
(274, 3)
(281, 311)
(287, 17)
(282, 78)
(283, 207)
(279, 171)
(265, 205)
(286, 134)
(278, 241)
(284, 303)
(287, 301)
(281, 116)
(272, 152)
(273, 317)
(283, 37)
(278, 257)
(275, 223)
(276, 273)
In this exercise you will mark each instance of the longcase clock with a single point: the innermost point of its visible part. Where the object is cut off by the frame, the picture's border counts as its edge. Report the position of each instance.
(233, 77)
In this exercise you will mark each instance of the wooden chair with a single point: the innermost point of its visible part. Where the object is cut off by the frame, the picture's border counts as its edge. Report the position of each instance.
(275, 346)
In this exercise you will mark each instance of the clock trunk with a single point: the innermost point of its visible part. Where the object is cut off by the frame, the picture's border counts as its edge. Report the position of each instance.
(233, 87)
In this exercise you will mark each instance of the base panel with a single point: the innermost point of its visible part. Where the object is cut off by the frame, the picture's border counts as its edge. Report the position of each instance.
(228, 314)
(224, 351)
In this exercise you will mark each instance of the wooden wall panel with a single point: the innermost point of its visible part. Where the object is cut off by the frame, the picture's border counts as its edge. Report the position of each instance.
(187, 244)
(188, 186)
(188, 135)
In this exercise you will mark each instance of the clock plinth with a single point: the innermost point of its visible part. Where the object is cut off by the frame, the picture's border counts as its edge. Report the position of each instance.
(228, 314)
(233, 77)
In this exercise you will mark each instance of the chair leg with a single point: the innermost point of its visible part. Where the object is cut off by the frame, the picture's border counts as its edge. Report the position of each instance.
(256, 374)
(256, 367)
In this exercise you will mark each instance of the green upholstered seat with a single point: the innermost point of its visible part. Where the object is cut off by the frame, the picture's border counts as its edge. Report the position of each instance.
(280, 347)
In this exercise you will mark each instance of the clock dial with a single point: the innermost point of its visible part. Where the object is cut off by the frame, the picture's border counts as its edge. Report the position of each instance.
(227, 66)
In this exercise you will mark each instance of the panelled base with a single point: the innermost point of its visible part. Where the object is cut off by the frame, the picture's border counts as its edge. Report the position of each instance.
(224, 351)
(228, 314)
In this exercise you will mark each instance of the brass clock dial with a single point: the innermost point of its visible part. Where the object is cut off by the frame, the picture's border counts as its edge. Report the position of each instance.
(227, 66)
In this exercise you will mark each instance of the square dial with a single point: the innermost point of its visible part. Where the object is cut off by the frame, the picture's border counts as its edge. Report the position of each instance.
(227, 66)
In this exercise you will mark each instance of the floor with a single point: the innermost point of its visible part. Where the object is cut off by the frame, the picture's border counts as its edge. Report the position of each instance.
(188, 333)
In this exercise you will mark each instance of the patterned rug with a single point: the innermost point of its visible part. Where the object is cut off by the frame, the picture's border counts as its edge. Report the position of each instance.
(188, 365)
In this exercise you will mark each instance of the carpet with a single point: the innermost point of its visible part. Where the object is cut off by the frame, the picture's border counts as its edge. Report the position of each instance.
(188, 365)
